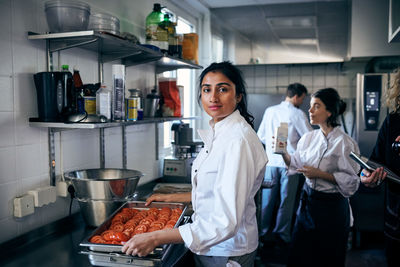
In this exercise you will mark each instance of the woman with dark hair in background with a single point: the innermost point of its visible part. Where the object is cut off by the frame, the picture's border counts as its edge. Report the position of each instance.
(323, 217)
(226, 175)
(385, 154)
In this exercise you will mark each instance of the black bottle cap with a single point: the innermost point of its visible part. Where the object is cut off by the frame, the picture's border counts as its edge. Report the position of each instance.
(157, 7)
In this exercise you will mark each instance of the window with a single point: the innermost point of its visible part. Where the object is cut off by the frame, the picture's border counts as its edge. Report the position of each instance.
(185, 78)
(217, 45)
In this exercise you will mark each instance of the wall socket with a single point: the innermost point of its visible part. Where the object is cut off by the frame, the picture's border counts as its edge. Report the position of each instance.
(24, 205)
(62, 188)
(44, 195)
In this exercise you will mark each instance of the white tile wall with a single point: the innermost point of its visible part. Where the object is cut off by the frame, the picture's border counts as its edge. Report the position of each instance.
(24, 162)
(313, 76)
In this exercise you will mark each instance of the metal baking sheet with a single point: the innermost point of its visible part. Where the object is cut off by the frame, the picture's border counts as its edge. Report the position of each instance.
(140, 205)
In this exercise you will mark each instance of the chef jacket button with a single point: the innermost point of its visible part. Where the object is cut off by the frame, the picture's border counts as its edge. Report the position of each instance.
(206, 151)
(195, 170)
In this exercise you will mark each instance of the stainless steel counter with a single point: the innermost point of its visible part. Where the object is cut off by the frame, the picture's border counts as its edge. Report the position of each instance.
(57, 244)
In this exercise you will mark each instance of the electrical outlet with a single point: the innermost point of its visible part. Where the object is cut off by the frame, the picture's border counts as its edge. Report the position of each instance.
(23, 205)
(44, 195)
(62, 188)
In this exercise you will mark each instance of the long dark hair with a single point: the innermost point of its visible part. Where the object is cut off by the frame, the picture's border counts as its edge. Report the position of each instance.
(235, 75)
(334, 104)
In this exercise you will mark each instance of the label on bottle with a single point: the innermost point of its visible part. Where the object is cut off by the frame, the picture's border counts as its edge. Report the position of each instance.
(105, 105)
(132, 106)
(118, 107)
(90, 104)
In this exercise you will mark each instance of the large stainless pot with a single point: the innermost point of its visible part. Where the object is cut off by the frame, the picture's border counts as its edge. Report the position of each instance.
(104, 184)
(101, 191)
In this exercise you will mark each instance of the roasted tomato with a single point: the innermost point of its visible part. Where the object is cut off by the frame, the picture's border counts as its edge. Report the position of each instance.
(119, 227)
(97, 239)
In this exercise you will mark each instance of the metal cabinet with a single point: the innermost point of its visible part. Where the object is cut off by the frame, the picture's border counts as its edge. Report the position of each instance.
(109, 47)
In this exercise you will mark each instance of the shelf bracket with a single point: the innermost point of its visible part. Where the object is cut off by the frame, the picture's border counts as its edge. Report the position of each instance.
(102, 149)
(52, 156)
(123, 146)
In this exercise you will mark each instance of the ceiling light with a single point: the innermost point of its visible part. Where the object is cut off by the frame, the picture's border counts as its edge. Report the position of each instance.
(299, 41)
(292, 22)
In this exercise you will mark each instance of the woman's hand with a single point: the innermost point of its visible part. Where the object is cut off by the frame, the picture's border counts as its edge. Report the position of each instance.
(140, 245)
(310, 172)
(313, 173)
(158, 198)
(373, 179)
(178, 197)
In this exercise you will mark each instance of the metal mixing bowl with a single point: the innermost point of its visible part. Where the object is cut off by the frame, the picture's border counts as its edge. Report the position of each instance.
(66, 16)
(104, 184)
(95, 212)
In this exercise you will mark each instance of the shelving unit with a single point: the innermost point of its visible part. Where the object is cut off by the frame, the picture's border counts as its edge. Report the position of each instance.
(109, 47)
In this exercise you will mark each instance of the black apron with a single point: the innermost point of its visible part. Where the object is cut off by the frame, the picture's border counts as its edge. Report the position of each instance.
(321, 230)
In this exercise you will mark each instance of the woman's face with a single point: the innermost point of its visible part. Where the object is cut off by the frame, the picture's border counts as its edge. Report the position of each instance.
(218, 95)
(318, 113)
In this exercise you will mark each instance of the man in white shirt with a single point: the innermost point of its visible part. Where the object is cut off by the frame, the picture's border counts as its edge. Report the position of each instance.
(285, 186)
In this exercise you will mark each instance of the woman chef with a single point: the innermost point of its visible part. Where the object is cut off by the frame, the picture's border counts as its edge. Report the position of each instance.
(323, 218)
(226, 175)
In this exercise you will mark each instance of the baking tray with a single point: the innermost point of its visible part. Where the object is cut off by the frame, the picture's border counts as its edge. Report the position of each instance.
(140, 205)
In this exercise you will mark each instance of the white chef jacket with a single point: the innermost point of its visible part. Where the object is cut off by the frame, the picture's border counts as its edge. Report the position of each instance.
(298, 125)
(330, 154)
(226, 175)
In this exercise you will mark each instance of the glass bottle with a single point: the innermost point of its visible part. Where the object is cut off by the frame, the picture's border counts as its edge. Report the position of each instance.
(155, 35)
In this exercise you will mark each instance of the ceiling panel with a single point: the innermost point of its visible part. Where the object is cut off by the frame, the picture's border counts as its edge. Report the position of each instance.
(253, 21)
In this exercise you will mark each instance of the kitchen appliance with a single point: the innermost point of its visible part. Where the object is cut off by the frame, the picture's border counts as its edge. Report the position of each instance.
(54, 95)
(110, 254)
(101, 191)
(151, 104)
(177, 168)
(371, 90)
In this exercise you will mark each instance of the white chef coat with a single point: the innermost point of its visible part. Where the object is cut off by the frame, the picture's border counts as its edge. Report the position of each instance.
(330, 154)
(226, 175)
(298, 125)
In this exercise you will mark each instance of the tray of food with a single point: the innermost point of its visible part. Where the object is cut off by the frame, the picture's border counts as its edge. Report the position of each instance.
(133, 218)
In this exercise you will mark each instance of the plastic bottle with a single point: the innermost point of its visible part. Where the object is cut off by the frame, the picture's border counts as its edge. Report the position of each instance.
(80, 104)
(156, 35)
(104, 101)
(281, 134)
(68, 90)
(118, 106)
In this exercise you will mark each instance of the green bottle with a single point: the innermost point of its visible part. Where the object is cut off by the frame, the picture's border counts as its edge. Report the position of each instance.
(155, 35)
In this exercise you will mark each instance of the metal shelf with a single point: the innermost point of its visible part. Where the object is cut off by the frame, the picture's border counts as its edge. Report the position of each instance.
(98, 125)
(112, 47)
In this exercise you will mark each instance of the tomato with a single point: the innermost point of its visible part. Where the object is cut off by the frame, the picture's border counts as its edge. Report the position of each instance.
(119, 227)
(97, 239)
(108, 235)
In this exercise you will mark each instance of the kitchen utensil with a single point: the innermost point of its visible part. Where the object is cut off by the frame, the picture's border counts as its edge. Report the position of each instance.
(151, 104)
(110, 255)
(104, 22)
(54, 95)
(101, 191)
(104, 184)
(67, 16)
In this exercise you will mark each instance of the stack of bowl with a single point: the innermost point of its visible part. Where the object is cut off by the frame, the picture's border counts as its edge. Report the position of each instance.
(101, 191)
(67, 16)
(104, 22)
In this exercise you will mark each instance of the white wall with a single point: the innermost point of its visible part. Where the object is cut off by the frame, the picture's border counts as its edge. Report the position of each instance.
(369, 29)
(24, 149)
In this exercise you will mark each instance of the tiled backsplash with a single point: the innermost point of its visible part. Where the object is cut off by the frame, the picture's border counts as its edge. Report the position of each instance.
(274, 79)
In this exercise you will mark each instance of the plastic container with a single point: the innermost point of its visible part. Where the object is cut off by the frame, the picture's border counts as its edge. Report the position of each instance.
(118, 106)
(104, 102)
(281, 135)
(67, 16)
(190, 47)
(104, 22)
